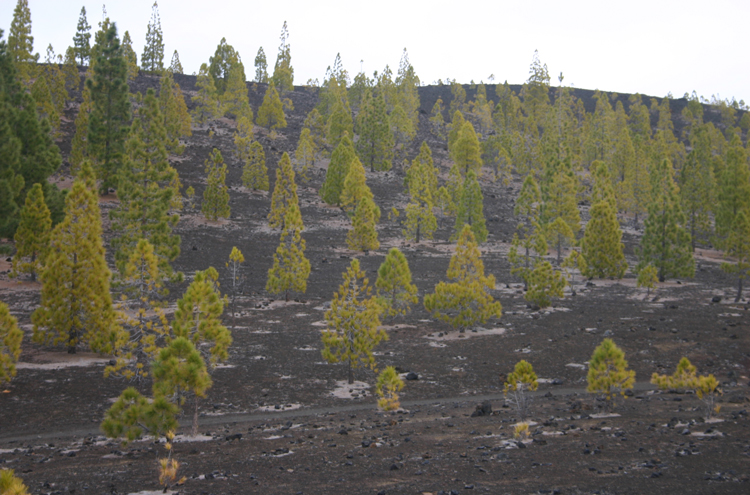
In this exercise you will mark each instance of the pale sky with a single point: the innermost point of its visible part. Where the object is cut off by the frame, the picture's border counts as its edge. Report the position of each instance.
(651, 47)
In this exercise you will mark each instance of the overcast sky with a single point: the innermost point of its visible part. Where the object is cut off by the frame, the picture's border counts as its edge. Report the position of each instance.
(652, 47)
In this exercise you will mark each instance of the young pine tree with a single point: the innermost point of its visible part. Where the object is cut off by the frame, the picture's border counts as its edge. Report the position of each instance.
(601, 245)
(388, 386)
(177, 121)
(465, 301)
(179, 371)
(283, 72)
(733, 193)
(544, 282)
(363, 235)
(206, 101)
(471, 208)
(396, 293)
(11, 484)
(665, 243)
(252, 156)
(338, 169)
(216, 195)
(76, 305)
(290, 269)
(261, 67)
(304, 156)
(175, 66)
(198, 318)
(353, 322)
(234, 101)
(518, 385)
(271, 111)
(10, 344)
(33, 235)
(284, 193)
(466, 152)
(143, 316)
(355, 187)
(608, 371)
(110, 111)
(421, 179)
(375, 144)
(234, 266)
(145, 191)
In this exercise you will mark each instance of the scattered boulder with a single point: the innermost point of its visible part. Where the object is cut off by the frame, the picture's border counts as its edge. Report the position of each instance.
(412, 376)
(716, 299)
(483, 409)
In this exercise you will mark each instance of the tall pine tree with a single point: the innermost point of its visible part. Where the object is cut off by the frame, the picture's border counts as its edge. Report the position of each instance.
(284, 193)
(216, 195)
(152, 59)
(290, 268)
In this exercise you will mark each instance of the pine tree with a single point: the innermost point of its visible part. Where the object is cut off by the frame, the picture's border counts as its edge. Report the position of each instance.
(284, 193)
(355, 188)
(142, 315)
(402, 128)
(665, 243)
(648, 277)
(82, 39)
(437, 122)
(601, 246)
(132, 414)
(353, 323)
(421, 179)
(10, 344)
(608, 371)
(179, 370)
(45, 108)
(396, 293)
(28, 154)
(131, 59)
(304, 155)
(177, 121)
(145, 191)
(198, 318)
(544, 282)
(21, 43)
(206, 100)
(290, 269)
(407, 89)
(283, 72)
(250, 153)
(79, 144)
(363, 235)
(338, 169)
(175, 66)
(471, 208)
(110, 112)
(339, 123)
(466, 152)
(76, 305)
(261, 67)
(559, 195)
(152, 59)
(458, 100)
(560, 233)
(698, 185)
(465, 301)
(602, 190)
(235, 101)
(271, 111)
(733, 193)
(317, 125)
(33, 235)
(622, 160)
(216, 195)
(236, 258)
(375, 144)
(737, 246)
(225, 59)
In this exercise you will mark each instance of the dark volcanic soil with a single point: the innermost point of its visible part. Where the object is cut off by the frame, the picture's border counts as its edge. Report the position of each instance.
(271, 423)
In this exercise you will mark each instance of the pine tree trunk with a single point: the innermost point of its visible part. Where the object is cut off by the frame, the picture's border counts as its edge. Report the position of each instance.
(194, 432)
(739, 291)
(351, 372)
(73, 333)
(33, 272)
(418, 225)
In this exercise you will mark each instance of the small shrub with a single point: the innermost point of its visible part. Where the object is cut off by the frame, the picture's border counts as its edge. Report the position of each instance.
(388, 386)
(685, 377)
(521, 431)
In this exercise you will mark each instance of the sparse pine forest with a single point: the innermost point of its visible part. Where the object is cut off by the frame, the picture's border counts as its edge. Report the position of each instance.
(395, 250)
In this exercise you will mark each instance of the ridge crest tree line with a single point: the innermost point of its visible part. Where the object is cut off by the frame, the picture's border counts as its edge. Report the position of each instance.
(688, 190)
